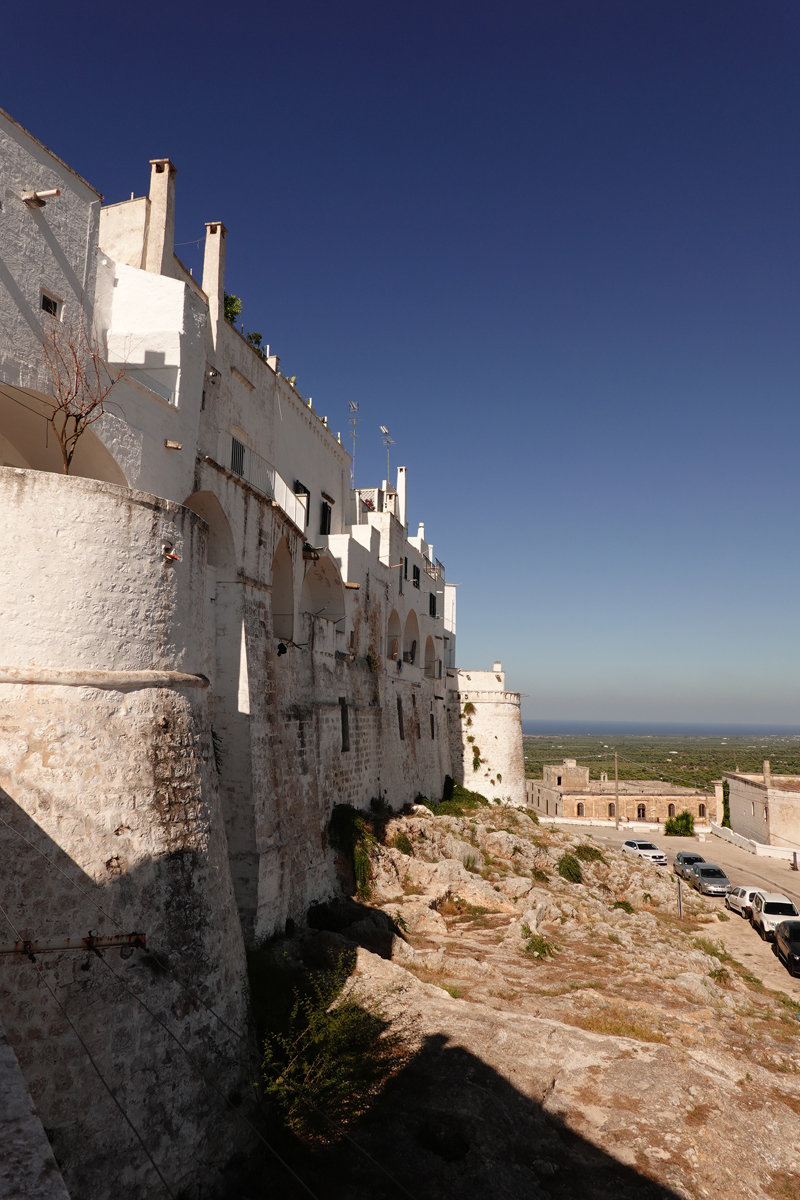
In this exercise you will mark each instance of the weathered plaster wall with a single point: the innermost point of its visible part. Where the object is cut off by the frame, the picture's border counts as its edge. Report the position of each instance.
(768, 813)
(118, 788)
(27, 1166)
(485, 717)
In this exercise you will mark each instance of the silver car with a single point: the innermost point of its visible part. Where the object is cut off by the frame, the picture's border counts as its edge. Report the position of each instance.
(684, 861)
(709, 879)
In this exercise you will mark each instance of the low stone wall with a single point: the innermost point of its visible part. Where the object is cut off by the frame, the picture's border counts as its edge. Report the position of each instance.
(751, 846)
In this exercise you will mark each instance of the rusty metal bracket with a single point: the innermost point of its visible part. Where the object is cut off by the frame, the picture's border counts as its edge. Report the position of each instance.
(94, 943)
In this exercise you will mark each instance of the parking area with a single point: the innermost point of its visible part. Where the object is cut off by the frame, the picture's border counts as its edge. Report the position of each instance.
(740, 939)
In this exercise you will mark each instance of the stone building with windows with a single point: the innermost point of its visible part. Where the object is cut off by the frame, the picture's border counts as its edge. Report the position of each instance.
(765, 807)
(210, 640)
(566, 790)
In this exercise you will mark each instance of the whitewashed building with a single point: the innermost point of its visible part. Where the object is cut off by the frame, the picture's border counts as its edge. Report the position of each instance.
(209, 641)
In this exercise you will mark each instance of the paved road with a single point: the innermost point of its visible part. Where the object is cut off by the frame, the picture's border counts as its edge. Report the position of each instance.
(741, 868)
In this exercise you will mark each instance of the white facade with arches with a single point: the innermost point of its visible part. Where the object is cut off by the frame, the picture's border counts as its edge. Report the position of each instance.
(209, 641)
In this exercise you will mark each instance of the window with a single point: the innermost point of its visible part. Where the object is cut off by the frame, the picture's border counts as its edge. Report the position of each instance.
(671, 810)
(325, 517)
(415, 576)
(580, 810)
(300, 489)
(701, 810)
(641, 812)
(400, 719)
(50, 305)
(345, 724)
(433, 728)
(405, 568)
(432, 604)
(237, 457)
(558, 782)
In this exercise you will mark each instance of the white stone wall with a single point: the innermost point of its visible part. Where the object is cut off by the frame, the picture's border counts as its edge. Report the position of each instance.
(486, 735)
(767, 813)
(116, 787)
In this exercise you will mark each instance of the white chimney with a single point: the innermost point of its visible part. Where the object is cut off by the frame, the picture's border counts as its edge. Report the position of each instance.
(401, 495)
(214, 275)
(497, 668)
(421, 530)
(161, 231)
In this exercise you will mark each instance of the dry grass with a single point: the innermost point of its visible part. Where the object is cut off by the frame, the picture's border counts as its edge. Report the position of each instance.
(698, 1115)
(784, 1186)
(615, 1023)
(791, 1101)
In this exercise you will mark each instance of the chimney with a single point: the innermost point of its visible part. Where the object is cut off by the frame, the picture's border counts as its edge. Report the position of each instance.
(497, 668)
(161, 233)
(214, 276)
(421, 530)
(767, 774)
(401, 495)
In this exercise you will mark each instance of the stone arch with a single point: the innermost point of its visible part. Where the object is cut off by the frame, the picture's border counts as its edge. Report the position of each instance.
(226, 646)
(411, 638)
(322, 594)
(581, 809)
(670, 810)
(612, 810)
(641, 812)
(282, 592)
(701, 810)
(394, 636)
(430, 658)
(27, 440)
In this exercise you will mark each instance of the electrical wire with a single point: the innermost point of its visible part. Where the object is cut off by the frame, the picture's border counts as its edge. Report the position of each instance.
(200, 1000)
(89, 1055)
(208, 1081)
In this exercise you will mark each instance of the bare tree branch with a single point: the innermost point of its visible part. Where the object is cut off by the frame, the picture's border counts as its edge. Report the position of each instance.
(81, 380)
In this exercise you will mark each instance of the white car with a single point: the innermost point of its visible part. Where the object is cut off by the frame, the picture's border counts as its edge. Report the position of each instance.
(741, 900)
(646, 850)
(769, 909)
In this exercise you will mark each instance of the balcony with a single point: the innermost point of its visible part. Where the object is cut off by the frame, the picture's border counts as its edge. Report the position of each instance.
(434, 570)
(255, 470)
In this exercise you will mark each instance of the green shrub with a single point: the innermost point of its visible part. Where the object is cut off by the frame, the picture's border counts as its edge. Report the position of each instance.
(402, 842)
(726, 804)
(540, 875)
(337, 1056)
(570, 869)
(537, 945)
(351, 834)
(625, 905)
(588, 853)
(457, 801)
(680, 826)
(471, 862)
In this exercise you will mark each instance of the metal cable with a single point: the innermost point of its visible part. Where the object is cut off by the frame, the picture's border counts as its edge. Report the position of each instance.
(199, 999)
(88, 1053)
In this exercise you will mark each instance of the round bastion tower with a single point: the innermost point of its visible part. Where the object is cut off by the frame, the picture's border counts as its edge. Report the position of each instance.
(486, 734)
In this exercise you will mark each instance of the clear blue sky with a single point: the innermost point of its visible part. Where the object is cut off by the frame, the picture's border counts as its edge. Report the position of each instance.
(554, 246)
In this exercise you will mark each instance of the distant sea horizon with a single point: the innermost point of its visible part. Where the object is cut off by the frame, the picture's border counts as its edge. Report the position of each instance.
(556, 728)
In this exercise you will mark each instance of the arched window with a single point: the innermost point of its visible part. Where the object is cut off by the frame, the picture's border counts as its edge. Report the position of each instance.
(411, 638)
(393, 649)
(323, 592)
(430, 659)
(282, 592)
(612, 810)
(671, 810)
(701, 810)
(641, 812)
(580, 810)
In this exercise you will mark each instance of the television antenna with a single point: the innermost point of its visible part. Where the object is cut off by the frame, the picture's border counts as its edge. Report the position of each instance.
(354, 420)
(387, 441)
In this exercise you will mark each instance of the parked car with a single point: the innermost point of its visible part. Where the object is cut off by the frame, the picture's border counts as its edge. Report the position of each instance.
(741, 900)
(709, 879)
(769, 908)
(646, 850)
(684, 861)
(787, 945)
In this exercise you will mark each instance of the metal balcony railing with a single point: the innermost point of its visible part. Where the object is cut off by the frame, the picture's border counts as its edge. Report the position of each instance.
(260, 474)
